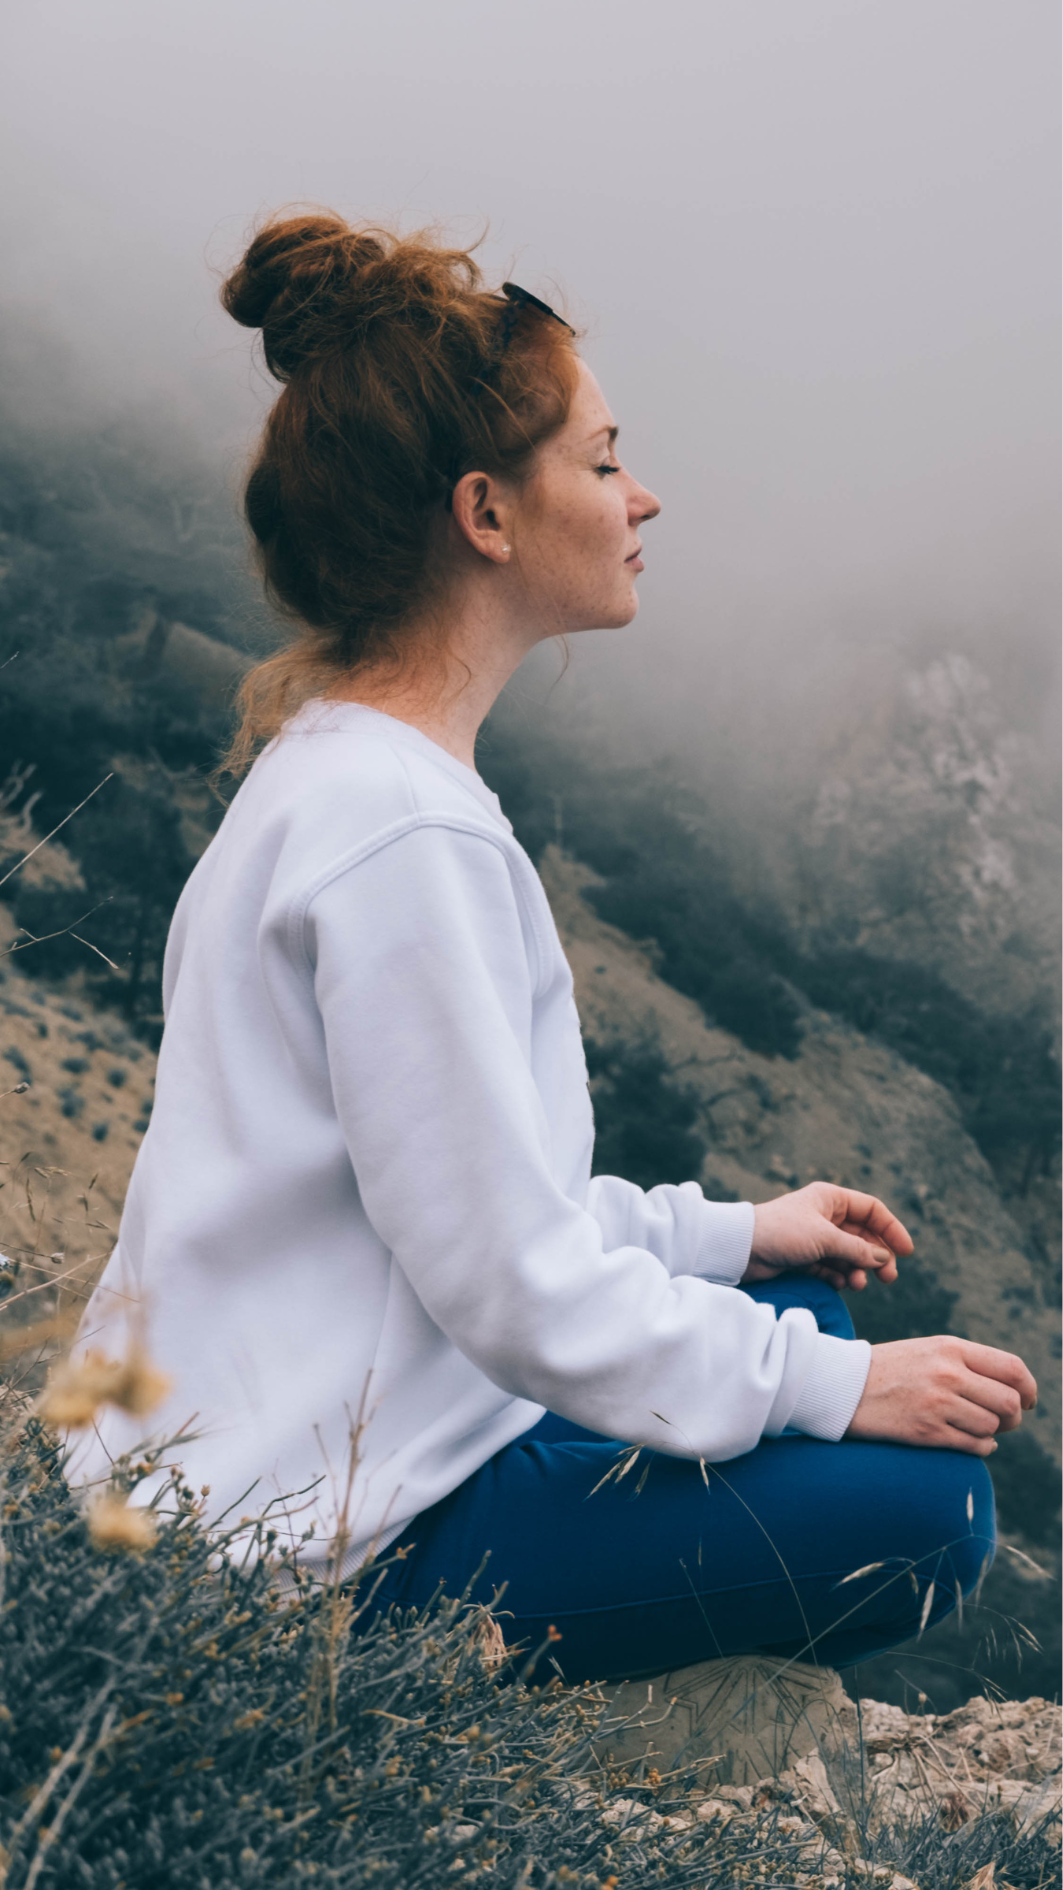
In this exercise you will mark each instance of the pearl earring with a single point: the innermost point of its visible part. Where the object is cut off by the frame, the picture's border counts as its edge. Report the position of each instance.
(505, 547)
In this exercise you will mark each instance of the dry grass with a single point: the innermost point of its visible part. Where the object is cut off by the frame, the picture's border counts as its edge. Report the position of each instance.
(75, 1096)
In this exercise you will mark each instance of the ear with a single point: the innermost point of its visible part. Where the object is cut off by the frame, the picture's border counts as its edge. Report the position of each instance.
(482, 509)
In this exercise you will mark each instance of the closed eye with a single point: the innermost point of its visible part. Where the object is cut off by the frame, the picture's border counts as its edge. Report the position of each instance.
(607, 469)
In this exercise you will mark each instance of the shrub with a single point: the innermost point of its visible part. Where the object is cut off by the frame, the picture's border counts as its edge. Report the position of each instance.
(134, 863)
(172, 1719)
(644, 1120)
(1001, 1070)
(663, 880)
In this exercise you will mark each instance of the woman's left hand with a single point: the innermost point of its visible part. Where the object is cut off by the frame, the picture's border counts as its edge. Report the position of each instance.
(834, 1233)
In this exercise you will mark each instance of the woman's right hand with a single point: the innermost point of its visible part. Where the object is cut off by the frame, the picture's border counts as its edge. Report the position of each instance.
(946, 1393)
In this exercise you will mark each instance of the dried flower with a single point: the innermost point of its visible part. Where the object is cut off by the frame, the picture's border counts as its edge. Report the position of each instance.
(113, 1525)
(79, 1386)
(487, 1638)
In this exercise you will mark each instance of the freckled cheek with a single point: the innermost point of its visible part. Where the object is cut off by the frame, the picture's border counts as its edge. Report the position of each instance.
(585, 545)
(606, 530)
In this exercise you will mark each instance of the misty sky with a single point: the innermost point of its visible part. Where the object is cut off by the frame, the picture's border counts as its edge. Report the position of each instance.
(815, 243)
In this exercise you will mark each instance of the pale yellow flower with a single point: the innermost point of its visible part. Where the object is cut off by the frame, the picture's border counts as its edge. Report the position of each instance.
(79, 1386)
(113, 1525)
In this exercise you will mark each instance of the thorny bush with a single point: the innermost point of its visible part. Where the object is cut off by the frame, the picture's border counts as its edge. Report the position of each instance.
(171, 1719)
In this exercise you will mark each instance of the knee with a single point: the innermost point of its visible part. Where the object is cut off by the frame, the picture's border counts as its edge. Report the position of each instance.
(959, 1517)
(829, 1309)
(799, 1289)
(973, 1552)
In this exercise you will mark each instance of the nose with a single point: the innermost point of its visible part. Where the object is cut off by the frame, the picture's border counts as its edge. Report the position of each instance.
(643, 505)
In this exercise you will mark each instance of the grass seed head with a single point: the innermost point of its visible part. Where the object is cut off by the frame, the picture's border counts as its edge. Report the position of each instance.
(113, 1525)
(79, 1386)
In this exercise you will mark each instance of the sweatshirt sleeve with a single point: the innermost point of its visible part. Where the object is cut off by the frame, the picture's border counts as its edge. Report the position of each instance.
(424, 965)
(687, 1233)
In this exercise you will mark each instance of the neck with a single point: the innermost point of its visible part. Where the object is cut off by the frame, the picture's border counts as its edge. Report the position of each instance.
(452, 684)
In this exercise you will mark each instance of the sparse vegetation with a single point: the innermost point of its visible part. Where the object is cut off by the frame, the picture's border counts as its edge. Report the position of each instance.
(172, 1719)
(663, 881)
(1002, 1071)
(644, 1121)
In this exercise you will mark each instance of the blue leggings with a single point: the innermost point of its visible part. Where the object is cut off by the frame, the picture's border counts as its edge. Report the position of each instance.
(639, 1580)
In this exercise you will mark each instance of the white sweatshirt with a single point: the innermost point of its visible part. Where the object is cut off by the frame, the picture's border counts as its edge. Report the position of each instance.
(364, 1202)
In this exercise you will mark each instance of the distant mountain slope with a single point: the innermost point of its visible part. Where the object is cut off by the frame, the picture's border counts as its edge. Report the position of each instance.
(76, 1090)
(844, 1109)
(932, 835)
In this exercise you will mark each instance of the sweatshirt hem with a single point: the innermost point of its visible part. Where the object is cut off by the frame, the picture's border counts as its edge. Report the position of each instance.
(726, 1242)
(833, 1388)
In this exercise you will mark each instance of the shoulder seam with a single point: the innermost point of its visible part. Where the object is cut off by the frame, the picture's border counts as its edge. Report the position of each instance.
(411, 790)
(503, 843)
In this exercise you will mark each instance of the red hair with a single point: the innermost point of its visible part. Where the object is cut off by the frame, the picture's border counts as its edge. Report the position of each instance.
(401, 373)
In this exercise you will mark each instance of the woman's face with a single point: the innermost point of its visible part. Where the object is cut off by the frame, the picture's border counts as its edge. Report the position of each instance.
(575, 529)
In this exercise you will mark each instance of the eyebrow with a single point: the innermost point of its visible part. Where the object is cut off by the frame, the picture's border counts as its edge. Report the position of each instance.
(612, 433)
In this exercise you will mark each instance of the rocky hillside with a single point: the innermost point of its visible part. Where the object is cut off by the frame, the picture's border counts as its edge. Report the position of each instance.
(855, 983)
(752, 1126)
(926, 830)
(844, 1109)
(75, 1099)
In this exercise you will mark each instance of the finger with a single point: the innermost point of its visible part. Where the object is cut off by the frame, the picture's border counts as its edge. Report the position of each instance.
(993, 1396)
(873, 1215)
(953, 1439)
(987, 1362)
(852, 1250)
(885, 1271)
(880, 1258)
(854, 1282)
(975, 1419)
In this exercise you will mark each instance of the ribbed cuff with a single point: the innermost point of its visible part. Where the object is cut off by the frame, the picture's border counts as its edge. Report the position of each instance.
(726, 1241)
(833, 1387)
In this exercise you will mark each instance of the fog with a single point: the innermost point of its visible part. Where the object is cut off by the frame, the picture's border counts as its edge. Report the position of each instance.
(813, 243)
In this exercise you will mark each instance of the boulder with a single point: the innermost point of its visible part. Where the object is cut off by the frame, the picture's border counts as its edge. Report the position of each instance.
(744, 1719)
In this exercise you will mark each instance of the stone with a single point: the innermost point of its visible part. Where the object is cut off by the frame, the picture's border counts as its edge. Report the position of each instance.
(811, 1788)
(744, 1719)
(716, 1811)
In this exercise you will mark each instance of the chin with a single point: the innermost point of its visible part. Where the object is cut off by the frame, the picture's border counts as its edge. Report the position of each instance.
(624, 611)
(615, 615)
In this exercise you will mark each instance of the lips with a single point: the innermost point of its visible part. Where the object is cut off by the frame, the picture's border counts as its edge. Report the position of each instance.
(634, 562)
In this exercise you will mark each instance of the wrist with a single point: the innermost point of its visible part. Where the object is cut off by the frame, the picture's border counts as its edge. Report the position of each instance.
(726, 1242)
(772, 1233)
(833, 1387)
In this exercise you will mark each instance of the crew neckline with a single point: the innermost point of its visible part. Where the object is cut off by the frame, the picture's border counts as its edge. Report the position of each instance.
(324, 715)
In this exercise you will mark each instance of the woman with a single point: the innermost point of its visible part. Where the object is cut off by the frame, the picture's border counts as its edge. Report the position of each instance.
(363, 1214)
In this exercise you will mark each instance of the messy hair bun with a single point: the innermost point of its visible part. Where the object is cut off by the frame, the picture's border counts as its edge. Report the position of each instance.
(308, 283)
(400, 374)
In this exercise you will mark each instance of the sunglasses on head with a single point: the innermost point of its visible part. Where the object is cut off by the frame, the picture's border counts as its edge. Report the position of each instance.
(523, 298)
